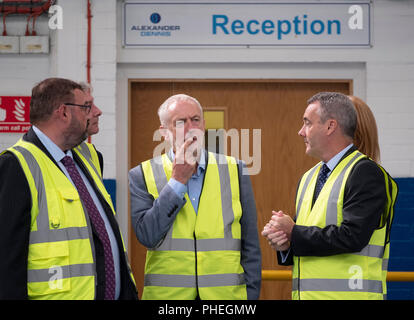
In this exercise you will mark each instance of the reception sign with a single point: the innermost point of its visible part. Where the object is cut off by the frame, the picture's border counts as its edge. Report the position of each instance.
(246, 24)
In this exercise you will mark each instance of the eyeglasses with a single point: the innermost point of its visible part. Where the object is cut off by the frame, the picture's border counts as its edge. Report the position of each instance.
(86, 106)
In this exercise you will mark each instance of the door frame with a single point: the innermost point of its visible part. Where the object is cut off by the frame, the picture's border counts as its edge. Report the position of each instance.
(128, 73)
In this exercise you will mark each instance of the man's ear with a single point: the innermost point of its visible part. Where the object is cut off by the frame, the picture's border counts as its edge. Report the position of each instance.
(163, 131)
(61, 112)
(332, 125)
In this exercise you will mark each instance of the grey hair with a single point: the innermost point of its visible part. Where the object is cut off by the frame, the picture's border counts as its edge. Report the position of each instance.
(335, 105)
(85, 86)
(163, 109)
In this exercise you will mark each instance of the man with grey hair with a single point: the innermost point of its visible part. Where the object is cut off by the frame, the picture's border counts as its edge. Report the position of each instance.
(195, 212)
(339, 242)
(93, 128)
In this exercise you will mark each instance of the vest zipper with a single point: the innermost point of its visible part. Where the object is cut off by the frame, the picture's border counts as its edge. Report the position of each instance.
(195, 256)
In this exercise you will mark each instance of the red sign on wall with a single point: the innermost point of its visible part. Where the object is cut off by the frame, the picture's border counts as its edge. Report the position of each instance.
(14, 114)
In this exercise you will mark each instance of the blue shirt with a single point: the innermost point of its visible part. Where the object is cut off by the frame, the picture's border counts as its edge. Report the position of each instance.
(57, 154)
(331, 164)
(194, 184)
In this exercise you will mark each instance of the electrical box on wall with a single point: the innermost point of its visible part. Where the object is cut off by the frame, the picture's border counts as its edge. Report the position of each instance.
(34, 44)
(9, 44)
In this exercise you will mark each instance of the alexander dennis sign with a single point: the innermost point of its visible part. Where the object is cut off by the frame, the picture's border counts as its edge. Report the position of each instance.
(255, 23)
(14, 114)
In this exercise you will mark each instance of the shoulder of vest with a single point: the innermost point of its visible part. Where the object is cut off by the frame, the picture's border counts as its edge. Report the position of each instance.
(155, 158)
(30, 146)
(365, 167)
(369, 162)
(312, 169)
(365, 161)
(5, 154)
(158, 160)
(232, 159)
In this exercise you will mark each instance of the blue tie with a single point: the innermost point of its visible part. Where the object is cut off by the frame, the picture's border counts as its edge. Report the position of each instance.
(323, 175)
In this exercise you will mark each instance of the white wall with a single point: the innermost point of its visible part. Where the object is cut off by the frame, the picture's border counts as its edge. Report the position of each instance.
(383, 75)
(18, 73)
(388, 68)
(67, 59)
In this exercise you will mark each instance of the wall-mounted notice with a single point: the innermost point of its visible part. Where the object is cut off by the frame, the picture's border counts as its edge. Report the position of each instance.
(247, 24)
(14, 114)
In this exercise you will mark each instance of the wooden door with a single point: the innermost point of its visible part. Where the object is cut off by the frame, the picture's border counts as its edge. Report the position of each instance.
(276, 107)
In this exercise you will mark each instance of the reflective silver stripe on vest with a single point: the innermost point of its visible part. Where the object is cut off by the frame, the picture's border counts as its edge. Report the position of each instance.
(202, 244)
(373, 286)
(42, 219)
(332, 207)
(44, 233)
(63, 272)
(189, 281)
(159, 173)
(372, 251)
(86, 153)
(226, 196)
(304, 188)
(227, 243)
(54, 235)
(385, 264)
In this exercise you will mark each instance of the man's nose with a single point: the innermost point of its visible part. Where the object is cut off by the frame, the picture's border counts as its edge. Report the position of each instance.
(96, 111)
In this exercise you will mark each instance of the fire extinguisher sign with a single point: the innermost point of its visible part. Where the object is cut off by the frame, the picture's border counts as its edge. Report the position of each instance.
(14, 114)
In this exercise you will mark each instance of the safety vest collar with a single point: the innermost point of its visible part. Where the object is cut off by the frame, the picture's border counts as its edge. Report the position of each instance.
(333, 190)
(161, 171)
(90, 156)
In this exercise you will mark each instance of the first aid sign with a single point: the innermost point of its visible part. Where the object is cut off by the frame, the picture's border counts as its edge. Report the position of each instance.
(14, 114)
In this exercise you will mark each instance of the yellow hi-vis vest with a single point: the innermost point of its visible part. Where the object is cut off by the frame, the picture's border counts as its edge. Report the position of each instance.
(90, 154)
(61, 259)
(200, 253)
(353, 276)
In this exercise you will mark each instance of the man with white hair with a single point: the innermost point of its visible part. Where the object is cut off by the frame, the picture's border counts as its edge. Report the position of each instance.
(195, 212)
(93, 128)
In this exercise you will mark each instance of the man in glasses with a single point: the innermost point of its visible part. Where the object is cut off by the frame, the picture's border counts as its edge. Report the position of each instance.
(59, 238)
(93, 128)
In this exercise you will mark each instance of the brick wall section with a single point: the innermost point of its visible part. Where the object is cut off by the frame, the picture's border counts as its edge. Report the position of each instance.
(402, 240)
(103, 78)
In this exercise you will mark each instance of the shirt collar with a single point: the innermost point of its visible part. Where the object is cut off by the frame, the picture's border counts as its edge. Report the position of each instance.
(56, 153)
(201, 165)
(335, 160)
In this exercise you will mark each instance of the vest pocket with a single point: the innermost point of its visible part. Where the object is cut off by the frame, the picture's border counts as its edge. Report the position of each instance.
(72, 210)
(49, 271)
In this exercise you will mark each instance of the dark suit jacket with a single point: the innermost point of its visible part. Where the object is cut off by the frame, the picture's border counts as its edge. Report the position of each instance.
(15, 206)
(364, 203)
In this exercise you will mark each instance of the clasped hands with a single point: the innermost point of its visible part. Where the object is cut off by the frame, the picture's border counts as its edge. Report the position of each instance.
(278, 231)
